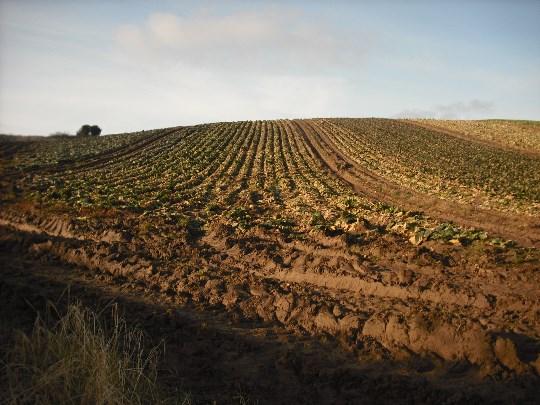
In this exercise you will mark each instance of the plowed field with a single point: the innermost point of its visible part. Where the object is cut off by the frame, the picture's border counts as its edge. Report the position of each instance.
(323, 260)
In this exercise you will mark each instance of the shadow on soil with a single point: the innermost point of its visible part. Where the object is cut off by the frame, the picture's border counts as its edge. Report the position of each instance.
(217, 359)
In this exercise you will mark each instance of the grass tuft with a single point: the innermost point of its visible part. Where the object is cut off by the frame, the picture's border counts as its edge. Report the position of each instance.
(81, 358)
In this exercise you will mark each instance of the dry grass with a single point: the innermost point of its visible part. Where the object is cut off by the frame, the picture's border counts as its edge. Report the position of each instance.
(524, 135)
(81, 359)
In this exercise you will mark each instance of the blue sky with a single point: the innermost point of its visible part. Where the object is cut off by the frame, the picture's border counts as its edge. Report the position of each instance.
(131, 65)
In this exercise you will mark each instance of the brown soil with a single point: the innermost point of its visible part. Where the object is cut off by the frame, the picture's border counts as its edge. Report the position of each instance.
(523, 229)
(321, 320)
(360, 315)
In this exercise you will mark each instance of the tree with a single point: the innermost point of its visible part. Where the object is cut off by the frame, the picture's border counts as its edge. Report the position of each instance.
(95, 130)
(84, 130)
(87, 130)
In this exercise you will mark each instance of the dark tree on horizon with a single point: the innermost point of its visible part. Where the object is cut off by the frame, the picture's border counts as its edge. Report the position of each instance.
(95, 130)
(89, 130)
(84, 130)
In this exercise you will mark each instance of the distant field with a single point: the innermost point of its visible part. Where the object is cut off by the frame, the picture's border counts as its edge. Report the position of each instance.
(410, 242)
(519, 134)
(443, 165)
(42, 151)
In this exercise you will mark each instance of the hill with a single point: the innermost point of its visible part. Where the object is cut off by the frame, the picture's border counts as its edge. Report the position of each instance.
(400, 253)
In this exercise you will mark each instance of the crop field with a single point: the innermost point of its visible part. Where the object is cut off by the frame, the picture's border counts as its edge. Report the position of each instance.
(370, 260)
(521, 135)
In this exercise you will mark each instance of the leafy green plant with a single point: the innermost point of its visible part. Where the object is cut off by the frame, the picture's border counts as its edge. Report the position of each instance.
(213, 208)
(193, 226)
(318, 221)
(241, 218)
(350, 203)
(348, 217)
(284, 225)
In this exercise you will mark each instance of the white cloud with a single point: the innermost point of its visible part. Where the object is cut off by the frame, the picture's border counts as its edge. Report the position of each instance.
(61, 66)
(306, 96)
(274, 40)
(204, 67)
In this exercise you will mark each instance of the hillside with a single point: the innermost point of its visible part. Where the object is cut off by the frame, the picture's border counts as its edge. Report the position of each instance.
(401, 254)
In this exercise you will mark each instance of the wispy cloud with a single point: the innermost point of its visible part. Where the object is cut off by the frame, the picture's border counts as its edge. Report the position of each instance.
(458, 110)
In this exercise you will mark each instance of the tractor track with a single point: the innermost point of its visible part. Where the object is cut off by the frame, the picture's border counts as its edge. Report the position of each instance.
(40, 264)
(523, 229)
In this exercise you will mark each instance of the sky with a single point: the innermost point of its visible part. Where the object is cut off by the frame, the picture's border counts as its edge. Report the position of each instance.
(133, 65)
